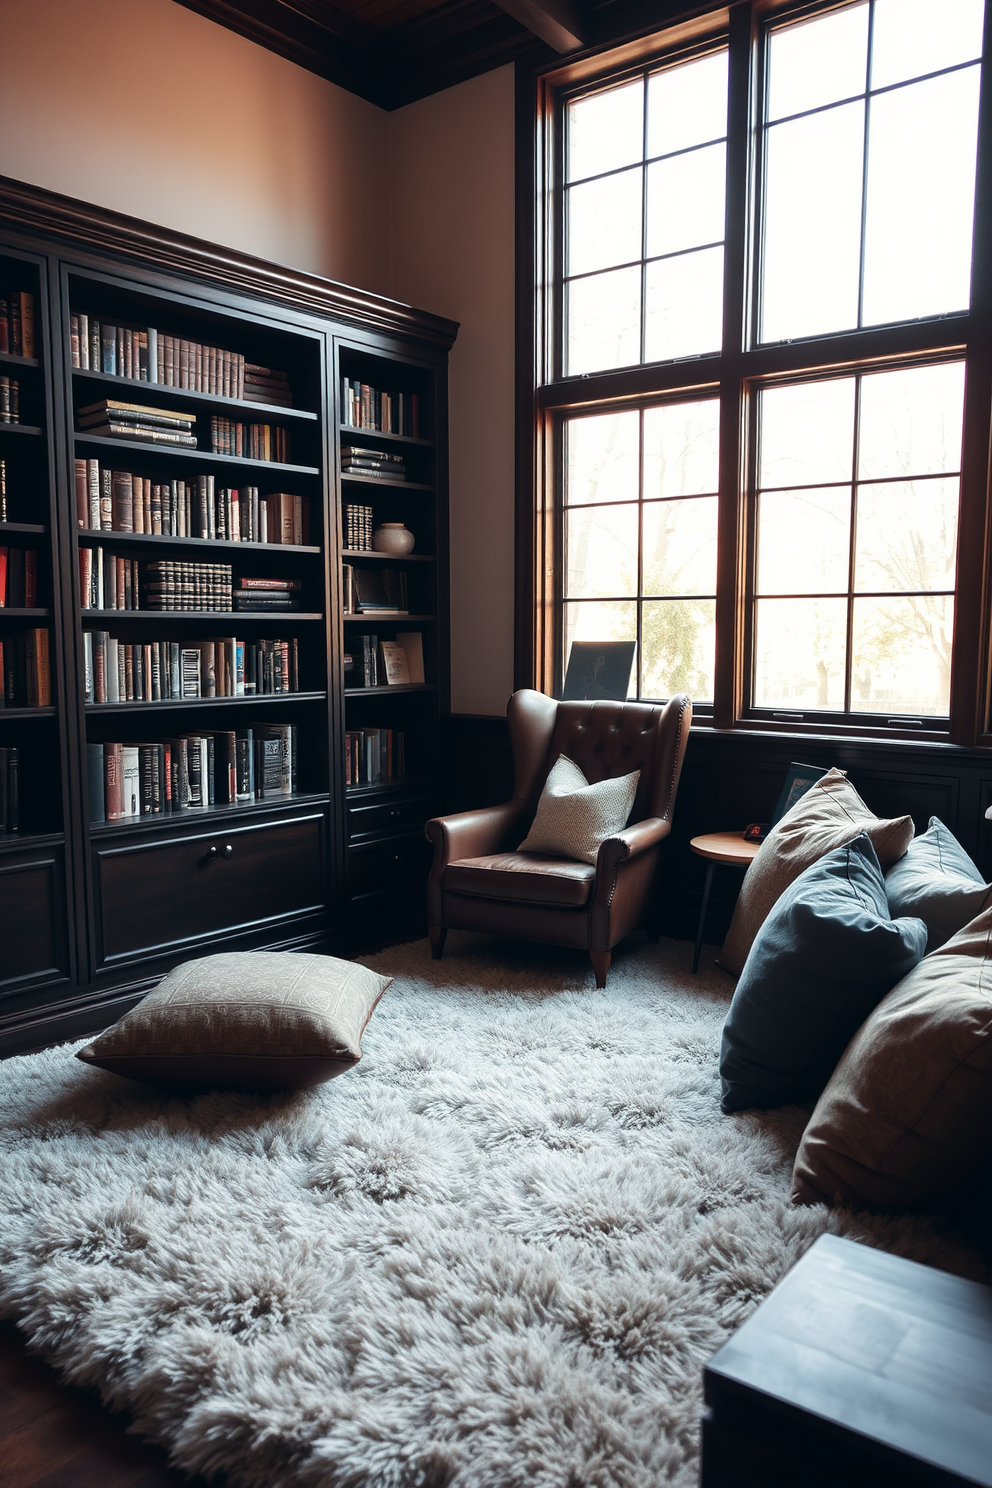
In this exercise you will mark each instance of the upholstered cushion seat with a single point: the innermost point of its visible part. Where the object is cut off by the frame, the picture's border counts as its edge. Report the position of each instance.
(532, 878)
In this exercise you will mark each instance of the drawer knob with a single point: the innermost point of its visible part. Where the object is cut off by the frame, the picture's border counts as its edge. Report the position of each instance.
(397, 857)
(396, 811)
(227, 851)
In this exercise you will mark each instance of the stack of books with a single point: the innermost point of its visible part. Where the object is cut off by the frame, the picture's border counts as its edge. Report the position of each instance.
(10, 400)
(264, 595)
(18, 578)
(193, 772)
(10, 788)
(249, 441)
(374, 591)
(145, 354)
(266, 385)
(372, 756)
(17, 323)
(363, 407)
(374, 464)
(358, 528)
(171, 584)
(24, 668)
(111, 418)
(162, 671)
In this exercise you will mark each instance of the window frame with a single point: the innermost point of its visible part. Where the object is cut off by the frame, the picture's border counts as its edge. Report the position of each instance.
(546, 398)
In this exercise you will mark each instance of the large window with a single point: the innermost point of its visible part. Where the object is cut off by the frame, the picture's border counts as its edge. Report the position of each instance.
(764, 401)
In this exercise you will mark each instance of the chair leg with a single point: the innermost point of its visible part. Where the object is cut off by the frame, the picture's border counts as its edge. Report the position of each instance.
(600, 965)
(437, 937)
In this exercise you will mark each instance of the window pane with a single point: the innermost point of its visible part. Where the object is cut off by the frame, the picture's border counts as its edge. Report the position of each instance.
(682, 449)
(812, 239)
(606, 131)
(800, 653)
(804, 541)
(604, 222)
(680, 546)
(601, 551)
(911, 421)
(601, 458)
(686, 198)
(687, 105)
(921, 196)
(807, 433)
(678, 640)
(596, 621)
(818, 62)
(902, 655)
(911, 37)
(906, 536)
(684, 315)
(604, 314)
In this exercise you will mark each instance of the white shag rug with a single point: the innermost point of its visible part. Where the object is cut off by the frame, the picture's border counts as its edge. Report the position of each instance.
(496, 1254)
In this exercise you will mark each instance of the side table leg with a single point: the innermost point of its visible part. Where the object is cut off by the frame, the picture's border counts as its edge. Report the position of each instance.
(702, 916)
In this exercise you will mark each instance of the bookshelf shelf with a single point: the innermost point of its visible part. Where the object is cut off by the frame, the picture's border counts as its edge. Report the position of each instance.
(204, 814)
(217, 617)
(137, 392)
(349, 432)
(393, 691)
(8, 359)
(166, 452)
(95, 534)
(30, 840)
(9, 613)
(37, 529)
(370, 618)
(350, 553)
(31, 430)
(23, 714)
(375, 480)
(258, 700)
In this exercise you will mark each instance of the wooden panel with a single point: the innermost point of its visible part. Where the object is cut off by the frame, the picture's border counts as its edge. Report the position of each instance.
(377, 818)
(33, 930)
(155, 895)
(384, 866)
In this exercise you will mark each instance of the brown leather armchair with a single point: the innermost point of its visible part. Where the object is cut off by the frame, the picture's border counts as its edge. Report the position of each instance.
(480, 882)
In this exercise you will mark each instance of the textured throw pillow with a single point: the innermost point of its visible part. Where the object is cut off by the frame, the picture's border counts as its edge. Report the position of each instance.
(937, 881)
(906, 1120)
(259, 1020)
(826, 955)
(574, 817)
(828, 815)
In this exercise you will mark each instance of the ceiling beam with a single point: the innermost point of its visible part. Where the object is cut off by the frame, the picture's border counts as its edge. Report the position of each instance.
(556, 22)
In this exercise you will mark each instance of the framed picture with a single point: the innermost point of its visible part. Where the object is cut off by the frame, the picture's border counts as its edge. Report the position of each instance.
(598, 669)
(797, 783)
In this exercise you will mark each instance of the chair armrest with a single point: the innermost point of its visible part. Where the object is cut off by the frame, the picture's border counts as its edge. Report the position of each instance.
(631, 842)
(473, 834)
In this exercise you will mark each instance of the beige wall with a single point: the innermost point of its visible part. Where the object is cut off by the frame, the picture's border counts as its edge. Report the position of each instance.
(453, 251)
(146, 108)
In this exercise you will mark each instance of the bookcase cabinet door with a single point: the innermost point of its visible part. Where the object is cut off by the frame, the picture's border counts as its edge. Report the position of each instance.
(174, 893)
(379, 870)
(33, 924)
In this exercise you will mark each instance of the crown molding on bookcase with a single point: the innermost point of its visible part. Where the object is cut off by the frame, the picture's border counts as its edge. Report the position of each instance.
(34, 210)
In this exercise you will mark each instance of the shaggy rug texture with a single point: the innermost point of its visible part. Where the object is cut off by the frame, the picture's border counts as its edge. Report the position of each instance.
(496, 1254)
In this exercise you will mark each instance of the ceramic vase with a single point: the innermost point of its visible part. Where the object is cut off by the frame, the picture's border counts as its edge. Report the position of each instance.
(393, 537)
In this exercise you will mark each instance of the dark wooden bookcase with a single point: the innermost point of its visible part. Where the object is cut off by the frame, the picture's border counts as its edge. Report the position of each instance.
(93, 912)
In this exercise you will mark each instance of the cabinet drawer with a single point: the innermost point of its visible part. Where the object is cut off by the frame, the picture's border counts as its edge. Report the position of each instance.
(157, 894)
(34, 950)
(387, 818)
(389, 864)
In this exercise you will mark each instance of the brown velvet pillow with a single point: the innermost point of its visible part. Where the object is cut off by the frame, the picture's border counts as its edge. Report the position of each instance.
(829, 815)
(259, 1020)
(906, 1119)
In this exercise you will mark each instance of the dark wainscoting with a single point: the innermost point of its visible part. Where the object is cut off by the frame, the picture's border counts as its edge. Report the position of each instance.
(730, 779)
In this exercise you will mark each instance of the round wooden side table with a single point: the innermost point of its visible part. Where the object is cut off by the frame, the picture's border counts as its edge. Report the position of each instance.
(728, 849)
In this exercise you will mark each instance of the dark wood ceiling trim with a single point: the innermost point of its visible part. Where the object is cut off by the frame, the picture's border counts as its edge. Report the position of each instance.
(557, 22)
(36, 211)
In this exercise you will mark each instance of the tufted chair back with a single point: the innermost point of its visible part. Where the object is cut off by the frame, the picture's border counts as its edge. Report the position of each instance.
(604, 739)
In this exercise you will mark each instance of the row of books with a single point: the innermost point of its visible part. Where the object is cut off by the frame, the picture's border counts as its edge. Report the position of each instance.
(4, 508)
(357, 527)
(17, 322)
(372, 464)
(364, 407)
(373, 755)
(122, 501)
(249, 441)
(18, 578)
(146, 354)
(372, 662)
(10, 400)
(110, 418)
(378, 591)
(24, 667)
(159, 671)
(192, 772)
(10, 788)
(108, 581)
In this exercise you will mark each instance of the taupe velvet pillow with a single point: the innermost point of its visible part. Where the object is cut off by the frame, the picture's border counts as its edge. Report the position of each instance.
(573, 818)
(905, 1121)
(829, 815)
(259, 1020)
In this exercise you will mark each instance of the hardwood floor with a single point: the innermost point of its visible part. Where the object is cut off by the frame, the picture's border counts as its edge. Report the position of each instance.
(55, 1436)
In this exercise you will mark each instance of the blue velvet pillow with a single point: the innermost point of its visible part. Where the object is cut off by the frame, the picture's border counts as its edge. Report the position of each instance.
(937, 880)
(822, 960)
